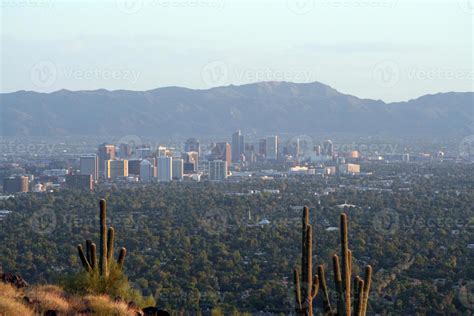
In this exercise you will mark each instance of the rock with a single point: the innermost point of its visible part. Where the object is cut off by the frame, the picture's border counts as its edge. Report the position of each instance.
(13, 279)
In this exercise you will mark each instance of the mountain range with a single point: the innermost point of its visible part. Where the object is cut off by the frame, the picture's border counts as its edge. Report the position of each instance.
(262, 108)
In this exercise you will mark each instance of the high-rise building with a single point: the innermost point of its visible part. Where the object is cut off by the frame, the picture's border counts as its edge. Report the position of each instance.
(90, 165)
(134, 166)
(191, 157)
(146, 171)
(272, 147)
(349, 168)
(192, 144)
(105, 152)
(328, 148)
(238, 146)
(262, 147)
(217, 170)
(144, 152)
(221, 151)
(125, 151)
(116, 169)
(15, 184)
(177, 169)
(80, 181)
(165, 168)
(317, 150)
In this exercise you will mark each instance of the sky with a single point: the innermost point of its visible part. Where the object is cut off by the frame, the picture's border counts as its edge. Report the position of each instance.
(393, 50)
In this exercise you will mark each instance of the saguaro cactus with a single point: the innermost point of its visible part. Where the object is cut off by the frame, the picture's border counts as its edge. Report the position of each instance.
(106, 256)
(306, 289)
(347, 304)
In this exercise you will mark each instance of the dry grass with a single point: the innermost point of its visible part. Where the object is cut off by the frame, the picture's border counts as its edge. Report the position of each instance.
(11, 302)
(102, 305)
(48, 297)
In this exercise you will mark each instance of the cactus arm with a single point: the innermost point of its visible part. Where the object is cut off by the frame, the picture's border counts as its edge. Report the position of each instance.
(305, 223)
(315, 287)
(93, 256)
(358, 286)
(83, 258)
(366, 289)
(349, 256)
(88, 250)
(103, 238)
(296, 279)
(309, 266)
(322, 279)
(121, 258)
(346, 272)
(110, 246)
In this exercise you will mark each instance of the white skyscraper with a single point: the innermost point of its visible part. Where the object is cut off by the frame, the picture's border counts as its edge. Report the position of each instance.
(146, 171)
(165, 168)
(177, 170)
(272, 147)
(217, 170)
(90, 165)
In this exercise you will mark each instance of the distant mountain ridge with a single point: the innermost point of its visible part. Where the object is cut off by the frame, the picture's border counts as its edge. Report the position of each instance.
(265, 107)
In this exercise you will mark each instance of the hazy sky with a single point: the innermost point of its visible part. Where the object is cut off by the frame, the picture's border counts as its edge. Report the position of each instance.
(385, 49)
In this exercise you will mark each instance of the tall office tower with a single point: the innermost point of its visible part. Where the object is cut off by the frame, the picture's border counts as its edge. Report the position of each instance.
(134, 166)
(317, 150)
(146, 171)
(192, 157)
(294, 148)
(90, 165)
(249, 153)
(192, 144)
(262, 147)
(80, 181)
(272, 147)
(221, 151)
(328, 148)
(237, 146)
(217, 170)
(164, 151)
(125, 151)
(177, 169)
(105, 152)
(144, 152)
(15, 184)
(116, 169)
(165, 168)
